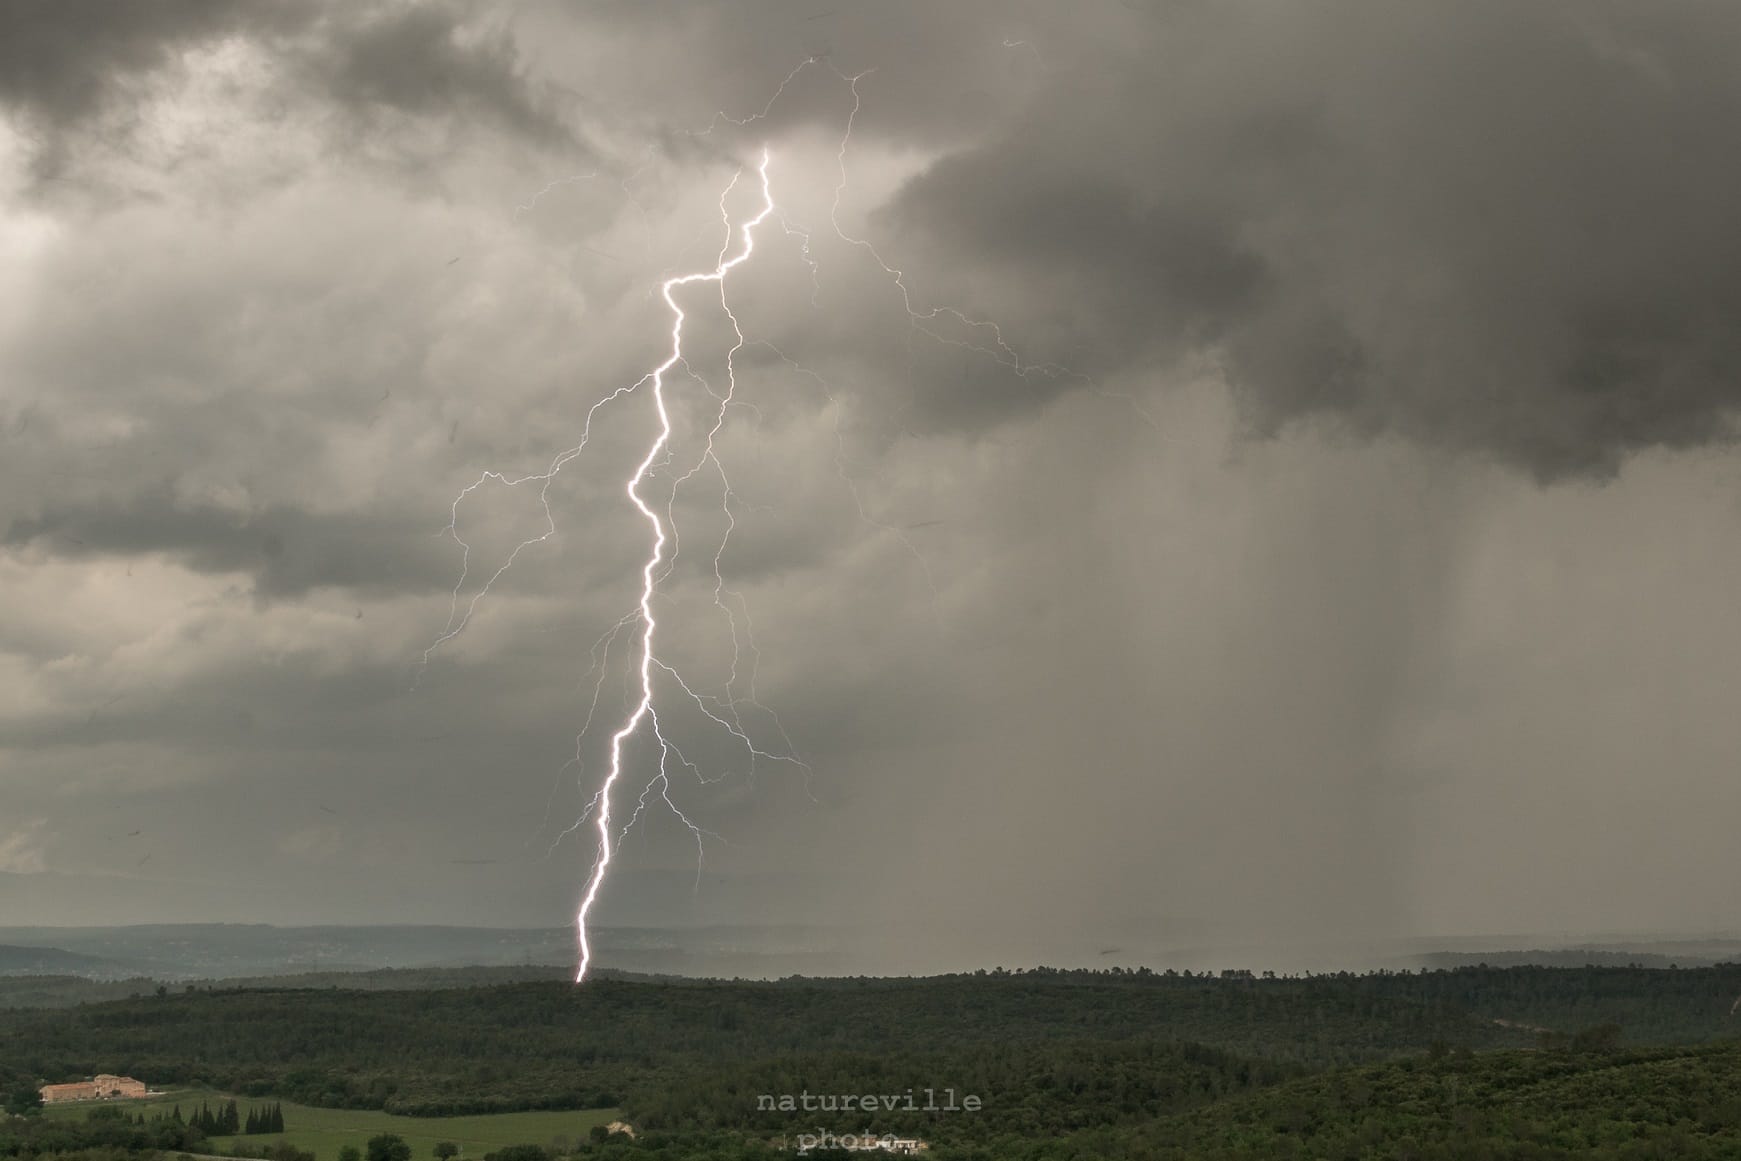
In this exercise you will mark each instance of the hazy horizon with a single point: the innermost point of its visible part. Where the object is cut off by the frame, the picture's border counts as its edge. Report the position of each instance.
(178, 952)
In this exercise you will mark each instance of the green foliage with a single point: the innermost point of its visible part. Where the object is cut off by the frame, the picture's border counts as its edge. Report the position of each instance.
(226, 1119)
(326, 1131)
(23, 1100)
(552, 1046)
(519, 1153)
(107, 1129)
(1667, 1104)
(388, 1147)
(1071, 1066)
(1045, 1087)
(285, 1151)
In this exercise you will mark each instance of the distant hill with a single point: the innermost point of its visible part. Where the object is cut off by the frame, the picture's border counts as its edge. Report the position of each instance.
(66, 991)
(553, 1045)
(1565, 957)
(56, 961)
(177, 954)
(183, 952)
(200, 951)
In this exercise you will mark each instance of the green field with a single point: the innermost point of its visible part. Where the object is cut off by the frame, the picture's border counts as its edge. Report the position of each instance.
(324, 1131)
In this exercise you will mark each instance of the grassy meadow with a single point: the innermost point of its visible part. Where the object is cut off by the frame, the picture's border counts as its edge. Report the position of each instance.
(324, 1132)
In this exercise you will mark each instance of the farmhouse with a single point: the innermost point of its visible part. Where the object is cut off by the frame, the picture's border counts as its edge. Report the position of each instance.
(99, 1088)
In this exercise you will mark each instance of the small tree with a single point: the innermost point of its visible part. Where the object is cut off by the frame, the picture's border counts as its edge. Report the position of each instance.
(445, 1150)
(350, 1153)
(388, 1147)
(24, 1100)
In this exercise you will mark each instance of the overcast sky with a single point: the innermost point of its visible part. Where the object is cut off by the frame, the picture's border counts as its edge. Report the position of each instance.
(1335, 538)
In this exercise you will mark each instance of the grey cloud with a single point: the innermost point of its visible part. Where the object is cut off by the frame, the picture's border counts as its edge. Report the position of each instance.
(423, 59)
(62, 60)
(285, 550)
(1495, 227)
(1094, 654)
(941, 71)
(65, 66)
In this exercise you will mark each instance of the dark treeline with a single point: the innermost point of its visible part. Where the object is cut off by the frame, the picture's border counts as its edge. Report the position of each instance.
(1044, 1087)
(106, 1128)
(1445, 1105)
(66, 991)
(110, 1132)
(227, 1120)
(551, 1045)
(1477, 1062)
(556, 1046)
(1450, 1106)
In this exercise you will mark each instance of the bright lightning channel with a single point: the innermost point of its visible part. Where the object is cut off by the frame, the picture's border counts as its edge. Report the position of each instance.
(643, 710)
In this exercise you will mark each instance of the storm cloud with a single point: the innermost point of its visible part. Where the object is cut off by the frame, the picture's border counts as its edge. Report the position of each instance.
(1200, 475)
(1498, 227)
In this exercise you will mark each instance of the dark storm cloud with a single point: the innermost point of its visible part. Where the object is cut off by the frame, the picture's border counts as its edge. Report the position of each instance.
(422, 60)
(66, 65)
(1503, 228)
(285, 551)
(61, 60)
(1046, 650)
(939, 71)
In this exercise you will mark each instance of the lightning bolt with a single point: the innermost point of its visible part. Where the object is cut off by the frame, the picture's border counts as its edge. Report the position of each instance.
(643, 710)
(647, 669)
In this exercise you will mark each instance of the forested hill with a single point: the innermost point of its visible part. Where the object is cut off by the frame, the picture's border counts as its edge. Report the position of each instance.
(536, 1045)
(64, 991)
(1658, 1105)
